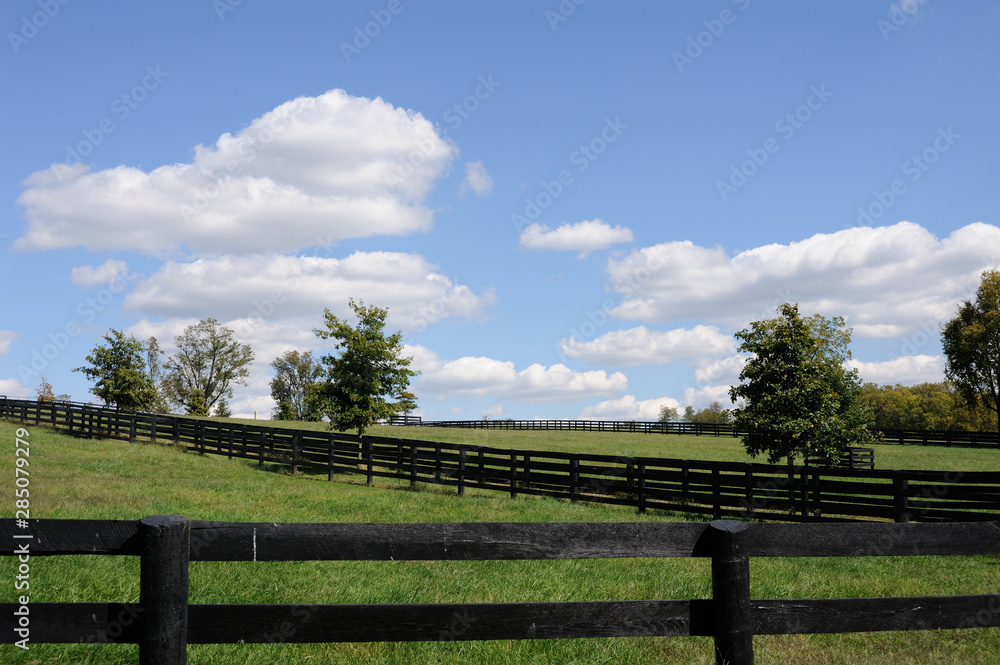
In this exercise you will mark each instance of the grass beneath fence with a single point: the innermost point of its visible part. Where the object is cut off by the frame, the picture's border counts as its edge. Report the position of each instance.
(79, 478)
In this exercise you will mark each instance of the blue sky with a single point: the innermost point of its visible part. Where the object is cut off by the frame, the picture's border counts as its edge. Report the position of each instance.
(568, 208)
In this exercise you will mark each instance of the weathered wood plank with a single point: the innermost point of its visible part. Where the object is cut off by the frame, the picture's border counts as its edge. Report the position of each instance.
(226, 624)
(221, 541)
(53, 536)
(874, 539)
(859, 615)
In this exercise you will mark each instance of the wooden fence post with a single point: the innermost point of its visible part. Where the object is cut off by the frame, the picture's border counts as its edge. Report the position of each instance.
(901, 499)
(366, 447)
(461, 471)
(513, 475)
(413, 465)
(295, 452)
(163, 589)
(731, 593)
(574, 479)
(641, 498)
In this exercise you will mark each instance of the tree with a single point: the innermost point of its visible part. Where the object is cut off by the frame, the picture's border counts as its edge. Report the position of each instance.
(119, 373)
(713, 414)
(971, 343)
(668, 413)
(407, 402)
(222, 409)
(367, 372)
(797, 397)
(294, 373)
(155, 371)
(44, 391)
(208, 359)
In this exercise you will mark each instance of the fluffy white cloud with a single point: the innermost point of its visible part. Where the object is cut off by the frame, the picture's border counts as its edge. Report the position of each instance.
(907, 370)
(641, 346)
(14, 388)
(727, 370)
(91, 276)
(272, 286)
(481, 376)
(6, 338)
(584, 236)
(312, 171)
(478, 179)
(628, 408)
(885, 281)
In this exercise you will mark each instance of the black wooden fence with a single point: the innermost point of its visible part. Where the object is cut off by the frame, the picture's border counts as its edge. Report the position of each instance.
(163, 623)
(714, 489)
(900, 436)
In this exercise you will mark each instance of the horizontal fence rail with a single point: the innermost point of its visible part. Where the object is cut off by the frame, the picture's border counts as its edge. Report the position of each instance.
(163, 623)
(900, 436)
(710, 489)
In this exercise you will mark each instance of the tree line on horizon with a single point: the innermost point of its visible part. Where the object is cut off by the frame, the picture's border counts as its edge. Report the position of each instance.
(795, 395)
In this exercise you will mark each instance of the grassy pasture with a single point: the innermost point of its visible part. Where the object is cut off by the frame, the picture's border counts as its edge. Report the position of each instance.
(78, 478)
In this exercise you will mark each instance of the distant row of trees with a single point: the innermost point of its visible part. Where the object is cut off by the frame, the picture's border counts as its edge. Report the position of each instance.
(366, 381)
(934, 406)
(130, 375)
(713, 414)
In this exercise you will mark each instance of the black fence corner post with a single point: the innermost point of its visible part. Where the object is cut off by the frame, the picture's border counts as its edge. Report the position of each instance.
(731, 620)
(163, 589)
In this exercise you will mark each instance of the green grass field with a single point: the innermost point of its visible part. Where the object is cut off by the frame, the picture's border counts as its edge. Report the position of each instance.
(78, 478)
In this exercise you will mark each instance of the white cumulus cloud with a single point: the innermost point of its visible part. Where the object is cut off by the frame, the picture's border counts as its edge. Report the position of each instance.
(478, 179)
(641, 346)
(481, 376)
(585, 237)
(885, 281)
(91, 276)
(275, 286)
(628, 408)
(312, 171)
(7, 337)
(907, 370)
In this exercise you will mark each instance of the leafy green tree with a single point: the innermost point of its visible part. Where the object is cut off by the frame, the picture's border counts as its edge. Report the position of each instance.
(367, 372)
(222, 409)
(668, 413)
(971, 343)
(154, 367)
(208, 359)
(796, 395)
(294, 373)
(196, 405)
(713, 414)
(119, 373)
(406, 402)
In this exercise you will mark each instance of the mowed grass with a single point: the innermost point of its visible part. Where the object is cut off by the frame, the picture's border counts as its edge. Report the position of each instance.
(79, 478)
(672, 446)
